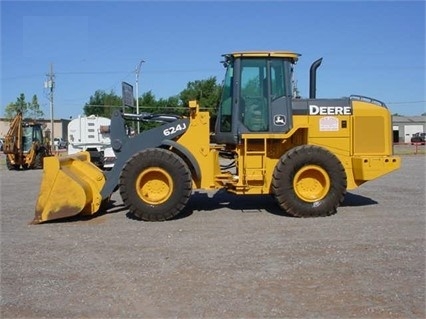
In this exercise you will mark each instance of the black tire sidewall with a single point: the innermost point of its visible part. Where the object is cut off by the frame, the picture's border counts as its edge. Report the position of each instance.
(288, 167)
(41, 154)
(169, 162)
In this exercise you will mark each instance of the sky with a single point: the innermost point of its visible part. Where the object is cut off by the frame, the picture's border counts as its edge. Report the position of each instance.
(370, 48)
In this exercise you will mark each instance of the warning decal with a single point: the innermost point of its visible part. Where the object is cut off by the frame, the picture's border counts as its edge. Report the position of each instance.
(329, 123)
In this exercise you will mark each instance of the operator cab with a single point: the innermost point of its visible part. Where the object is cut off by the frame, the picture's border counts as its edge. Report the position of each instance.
(31, 133)
(257, 95)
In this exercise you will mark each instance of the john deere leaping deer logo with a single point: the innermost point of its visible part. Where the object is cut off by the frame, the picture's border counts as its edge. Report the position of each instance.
(279, 120)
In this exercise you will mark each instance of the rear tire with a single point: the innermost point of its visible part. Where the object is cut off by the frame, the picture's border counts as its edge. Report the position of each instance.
(11, 166)
(309, 181)
(155, 184)
(41, 154)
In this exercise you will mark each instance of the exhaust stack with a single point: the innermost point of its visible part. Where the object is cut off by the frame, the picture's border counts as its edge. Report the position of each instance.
(313, 78)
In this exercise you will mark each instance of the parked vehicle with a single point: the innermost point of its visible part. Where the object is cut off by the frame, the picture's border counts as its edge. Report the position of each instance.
(91, 134)
(60, 143)
(418, 138)
(24, 144)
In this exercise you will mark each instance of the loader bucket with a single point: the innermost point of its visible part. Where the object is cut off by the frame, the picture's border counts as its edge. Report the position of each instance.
(70, 185)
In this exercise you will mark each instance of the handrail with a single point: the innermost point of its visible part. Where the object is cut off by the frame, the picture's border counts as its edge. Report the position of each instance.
(367, 99)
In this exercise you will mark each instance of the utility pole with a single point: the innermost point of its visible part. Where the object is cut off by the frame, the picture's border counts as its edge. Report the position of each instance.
(50, 85)
(138, 69)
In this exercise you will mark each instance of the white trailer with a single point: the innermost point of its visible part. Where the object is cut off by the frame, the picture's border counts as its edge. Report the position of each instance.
(92, 134)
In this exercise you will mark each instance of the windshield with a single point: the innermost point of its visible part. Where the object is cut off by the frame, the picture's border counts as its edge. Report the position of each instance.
(27, 138)
(31, 134)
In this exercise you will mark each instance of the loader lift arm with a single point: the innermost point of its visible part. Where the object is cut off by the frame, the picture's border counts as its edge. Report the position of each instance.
(125, 147)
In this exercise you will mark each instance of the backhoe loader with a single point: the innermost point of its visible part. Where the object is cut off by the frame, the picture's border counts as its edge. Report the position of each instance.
(25, 145)
(306, 153)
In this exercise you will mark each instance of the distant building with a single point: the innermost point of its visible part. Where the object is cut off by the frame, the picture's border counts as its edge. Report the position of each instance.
(405, 126)
(60, 127)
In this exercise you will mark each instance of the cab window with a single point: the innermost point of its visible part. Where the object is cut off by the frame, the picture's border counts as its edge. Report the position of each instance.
(226, 104)
(277, 79)
(254, 93)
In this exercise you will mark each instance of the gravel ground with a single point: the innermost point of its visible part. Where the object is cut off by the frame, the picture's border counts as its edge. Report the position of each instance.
(227, 257)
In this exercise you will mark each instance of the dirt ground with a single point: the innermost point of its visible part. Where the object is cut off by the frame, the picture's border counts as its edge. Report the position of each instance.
(226, 257)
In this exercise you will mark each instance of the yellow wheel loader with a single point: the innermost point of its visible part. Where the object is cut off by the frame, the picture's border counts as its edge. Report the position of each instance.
(25, 145)
(304, 152)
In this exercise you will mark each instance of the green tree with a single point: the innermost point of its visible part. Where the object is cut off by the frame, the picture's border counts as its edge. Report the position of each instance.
(34, 108)
(171, 105)
(11, 110)
(28, 109)
(103, 104)
(206, 92)
(148, 102)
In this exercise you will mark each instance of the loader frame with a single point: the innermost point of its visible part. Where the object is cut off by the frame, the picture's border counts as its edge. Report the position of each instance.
(307, 153)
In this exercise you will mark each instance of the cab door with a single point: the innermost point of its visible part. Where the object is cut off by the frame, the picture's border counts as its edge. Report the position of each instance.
(265, 102)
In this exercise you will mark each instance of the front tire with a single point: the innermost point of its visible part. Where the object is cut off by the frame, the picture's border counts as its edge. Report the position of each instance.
(309, 181)
(155, 184)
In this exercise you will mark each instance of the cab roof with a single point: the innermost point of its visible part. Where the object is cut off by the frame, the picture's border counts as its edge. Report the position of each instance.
(261, 54)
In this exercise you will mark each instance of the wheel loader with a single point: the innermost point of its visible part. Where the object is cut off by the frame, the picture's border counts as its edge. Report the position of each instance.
(25, 146)
(306, 153)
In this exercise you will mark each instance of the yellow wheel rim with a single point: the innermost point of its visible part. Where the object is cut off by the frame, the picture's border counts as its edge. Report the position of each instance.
(154, 186)
(311, 183)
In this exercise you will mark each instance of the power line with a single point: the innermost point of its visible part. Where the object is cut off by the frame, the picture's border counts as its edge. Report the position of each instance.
(108, 72)
(406, 102)
(90, 72)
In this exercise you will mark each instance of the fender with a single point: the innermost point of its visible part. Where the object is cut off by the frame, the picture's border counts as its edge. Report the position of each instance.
(184, 151)
(125, 147)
